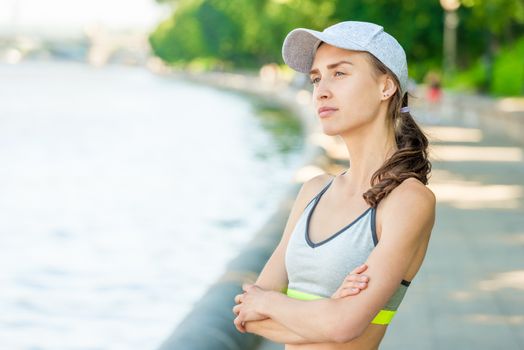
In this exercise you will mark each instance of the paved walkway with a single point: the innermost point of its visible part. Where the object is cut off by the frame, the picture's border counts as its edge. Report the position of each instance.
(469, 293)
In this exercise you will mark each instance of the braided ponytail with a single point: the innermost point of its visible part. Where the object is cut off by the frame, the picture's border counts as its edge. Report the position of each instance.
(411, 158)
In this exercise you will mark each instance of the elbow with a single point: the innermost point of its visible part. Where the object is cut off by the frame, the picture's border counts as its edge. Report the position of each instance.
(344, 332)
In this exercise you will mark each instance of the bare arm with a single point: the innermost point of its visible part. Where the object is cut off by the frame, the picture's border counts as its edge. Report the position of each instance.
(274, 276)
(276, 332)
(407, 220)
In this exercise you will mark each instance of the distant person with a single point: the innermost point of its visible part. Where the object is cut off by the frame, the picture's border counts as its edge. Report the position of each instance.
(433, 96)
(434, 92)
(375, 217)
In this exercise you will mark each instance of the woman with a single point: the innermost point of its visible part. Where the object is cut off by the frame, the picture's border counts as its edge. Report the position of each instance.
(378, 212)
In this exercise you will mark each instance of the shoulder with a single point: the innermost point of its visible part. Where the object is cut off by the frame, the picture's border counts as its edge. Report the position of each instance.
(412, 192)
(316, 182)
(312, 187)
(410, 203)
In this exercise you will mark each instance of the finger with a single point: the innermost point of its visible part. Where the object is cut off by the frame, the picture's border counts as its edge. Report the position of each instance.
(236, 309)
(357, 278)
(351, 278)
(359, 285)
(238, 298)
(359, 269)
(363, 278)
(349, 291)
(236, 322)
(239, 325)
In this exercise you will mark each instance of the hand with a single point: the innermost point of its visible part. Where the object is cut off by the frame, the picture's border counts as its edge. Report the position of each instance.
(353, 283)
(248, 304)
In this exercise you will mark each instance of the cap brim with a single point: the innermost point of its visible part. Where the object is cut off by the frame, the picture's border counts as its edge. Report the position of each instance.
(300, 46)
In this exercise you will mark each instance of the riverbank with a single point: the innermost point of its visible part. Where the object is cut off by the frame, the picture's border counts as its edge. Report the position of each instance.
(110, 212)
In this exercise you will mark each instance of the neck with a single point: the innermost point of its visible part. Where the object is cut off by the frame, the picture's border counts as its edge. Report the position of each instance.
(368, 148)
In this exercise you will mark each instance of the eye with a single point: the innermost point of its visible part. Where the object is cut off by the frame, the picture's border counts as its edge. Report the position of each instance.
(314, 80)
(339, 73)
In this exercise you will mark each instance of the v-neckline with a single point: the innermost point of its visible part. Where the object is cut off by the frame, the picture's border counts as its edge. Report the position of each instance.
(310, 213)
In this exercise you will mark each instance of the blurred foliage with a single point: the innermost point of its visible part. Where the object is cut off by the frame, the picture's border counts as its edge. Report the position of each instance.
(240, 34)
(471, 78)
(508, 73)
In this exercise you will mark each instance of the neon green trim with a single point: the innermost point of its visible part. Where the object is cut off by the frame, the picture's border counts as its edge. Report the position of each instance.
(383, 317)
(295, 294)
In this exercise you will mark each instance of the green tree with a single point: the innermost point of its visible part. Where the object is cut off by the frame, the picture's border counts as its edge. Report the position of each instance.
(249, 33)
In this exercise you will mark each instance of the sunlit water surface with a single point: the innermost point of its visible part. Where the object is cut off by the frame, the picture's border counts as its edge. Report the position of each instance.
(123, 195)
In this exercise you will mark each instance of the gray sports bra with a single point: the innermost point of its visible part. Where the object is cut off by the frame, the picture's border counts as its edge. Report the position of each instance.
(316, 270)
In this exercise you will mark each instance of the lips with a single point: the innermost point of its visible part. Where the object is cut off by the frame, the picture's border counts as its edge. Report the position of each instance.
(326, 111)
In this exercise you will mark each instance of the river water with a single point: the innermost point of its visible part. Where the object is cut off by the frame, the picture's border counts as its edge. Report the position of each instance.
(123, 195)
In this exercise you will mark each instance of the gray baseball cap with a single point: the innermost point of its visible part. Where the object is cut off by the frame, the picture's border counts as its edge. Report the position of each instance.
(301, 44)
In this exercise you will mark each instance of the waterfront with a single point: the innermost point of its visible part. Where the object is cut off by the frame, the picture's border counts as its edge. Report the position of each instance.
(123, 196)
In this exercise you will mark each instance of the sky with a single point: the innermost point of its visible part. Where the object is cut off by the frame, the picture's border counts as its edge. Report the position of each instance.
(76, 14)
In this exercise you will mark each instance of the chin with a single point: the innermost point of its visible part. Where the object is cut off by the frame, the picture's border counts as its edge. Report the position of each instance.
(330, 131)
(334, 129)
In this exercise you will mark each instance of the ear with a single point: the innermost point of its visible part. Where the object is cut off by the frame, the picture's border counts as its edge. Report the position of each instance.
(388, 87)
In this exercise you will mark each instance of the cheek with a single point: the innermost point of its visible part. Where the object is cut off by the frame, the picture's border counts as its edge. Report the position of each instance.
(361, 95)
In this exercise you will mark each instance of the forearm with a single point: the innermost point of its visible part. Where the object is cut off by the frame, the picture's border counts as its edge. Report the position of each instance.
(276, 332)
(318, 320)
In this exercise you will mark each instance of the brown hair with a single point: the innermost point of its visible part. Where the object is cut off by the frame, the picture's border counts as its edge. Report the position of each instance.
(411, 158)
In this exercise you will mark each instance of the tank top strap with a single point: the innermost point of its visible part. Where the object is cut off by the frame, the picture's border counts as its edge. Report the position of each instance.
(324, 189)
(320, 192)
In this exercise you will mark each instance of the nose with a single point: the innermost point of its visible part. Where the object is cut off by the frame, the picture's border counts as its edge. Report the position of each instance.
(322, 91)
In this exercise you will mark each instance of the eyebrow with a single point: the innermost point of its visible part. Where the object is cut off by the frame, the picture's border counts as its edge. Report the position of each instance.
(331, 66)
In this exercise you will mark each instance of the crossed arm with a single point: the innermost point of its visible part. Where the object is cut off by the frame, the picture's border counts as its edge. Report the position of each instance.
(275, 331)
(406, 225)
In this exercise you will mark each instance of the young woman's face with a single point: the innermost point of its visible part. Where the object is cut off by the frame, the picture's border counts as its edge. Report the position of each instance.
(346, 92)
